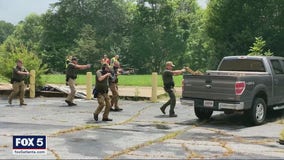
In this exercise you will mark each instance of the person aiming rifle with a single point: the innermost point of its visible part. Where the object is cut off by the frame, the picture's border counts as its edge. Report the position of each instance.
(102, 85)
(169, 85)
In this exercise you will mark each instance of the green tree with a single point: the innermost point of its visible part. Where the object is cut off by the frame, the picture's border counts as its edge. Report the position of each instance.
(192, 21)
(111, 19)
(6, 29)
(27, 33)
(63, 25)
(23, 44)
(156, 35)
(232, 25)
(86, 50)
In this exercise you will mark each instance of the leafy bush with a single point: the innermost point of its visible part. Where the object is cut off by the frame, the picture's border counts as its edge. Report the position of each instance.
(257, 48)
(30, 62)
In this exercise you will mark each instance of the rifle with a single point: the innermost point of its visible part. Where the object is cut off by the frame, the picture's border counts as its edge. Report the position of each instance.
(193, 72)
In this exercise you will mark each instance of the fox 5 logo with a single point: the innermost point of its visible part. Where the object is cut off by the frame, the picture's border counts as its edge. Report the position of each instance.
(29, 142)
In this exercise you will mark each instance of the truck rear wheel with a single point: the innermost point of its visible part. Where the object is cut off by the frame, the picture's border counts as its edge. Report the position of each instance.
(203, 113)
(257, 113)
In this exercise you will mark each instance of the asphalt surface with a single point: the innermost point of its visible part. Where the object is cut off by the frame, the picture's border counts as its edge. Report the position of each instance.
(140, 131)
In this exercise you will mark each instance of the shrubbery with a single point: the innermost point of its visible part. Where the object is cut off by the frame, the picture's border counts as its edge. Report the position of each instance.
(30, 62)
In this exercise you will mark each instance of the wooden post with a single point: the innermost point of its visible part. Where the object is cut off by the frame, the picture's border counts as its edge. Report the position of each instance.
(89, 86)
(32, 84)
(154, 86)
(136, 93)
(281, 139)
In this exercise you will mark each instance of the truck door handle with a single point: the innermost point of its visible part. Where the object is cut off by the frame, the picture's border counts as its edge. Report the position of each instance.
(208, 86)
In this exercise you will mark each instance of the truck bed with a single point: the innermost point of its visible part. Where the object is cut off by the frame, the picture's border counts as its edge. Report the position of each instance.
(217, 85)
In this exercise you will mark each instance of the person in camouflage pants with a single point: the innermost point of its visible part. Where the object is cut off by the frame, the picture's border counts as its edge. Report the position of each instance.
(71, 76)
(102, 84)
(113, 81)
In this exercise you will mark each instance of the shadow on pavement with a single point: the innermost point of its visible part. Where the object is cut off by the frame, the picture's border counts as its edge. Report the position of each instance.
(232, 121)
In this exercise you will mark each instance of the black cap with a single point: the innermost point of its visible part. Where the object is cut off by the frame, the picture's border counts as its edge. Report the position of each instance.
(74, 59)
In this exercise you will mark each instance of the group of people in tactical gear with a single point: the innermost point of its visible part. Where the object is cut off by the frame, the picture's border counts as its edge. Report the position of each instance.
(106, 77)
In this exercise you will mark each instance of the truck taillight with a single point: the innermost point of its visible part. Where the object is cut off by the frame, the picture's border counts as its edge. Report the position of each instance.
(240, 86)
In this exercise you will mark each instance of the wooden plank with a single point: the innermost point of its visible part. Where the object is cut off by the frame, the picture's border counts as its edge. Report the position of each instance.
(66, 89)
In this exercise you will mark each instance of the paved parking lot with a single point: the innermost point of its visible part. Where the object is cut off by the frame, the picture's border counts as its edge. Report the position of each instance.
(140, 131)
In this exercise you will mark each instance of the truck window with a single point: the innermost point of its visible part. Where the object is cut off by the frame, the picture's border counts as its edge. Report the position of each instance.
(246, 65)
(276, 67)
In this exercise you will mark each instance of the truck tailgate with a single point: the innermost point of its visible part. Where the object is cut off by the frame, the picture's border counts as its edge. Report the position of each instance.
(210, 87)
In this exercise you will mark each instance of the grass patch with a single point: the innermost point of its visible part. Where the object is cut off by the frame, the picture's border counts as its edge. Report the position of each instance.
(124, 80)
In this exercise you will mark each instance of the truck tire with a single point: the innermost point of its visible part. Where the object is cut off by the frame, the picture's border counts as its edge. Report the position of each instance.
(257, 113)
(203, 113)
